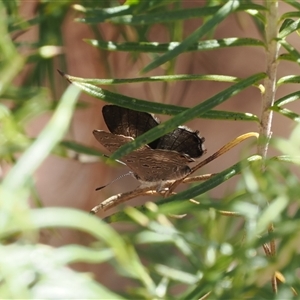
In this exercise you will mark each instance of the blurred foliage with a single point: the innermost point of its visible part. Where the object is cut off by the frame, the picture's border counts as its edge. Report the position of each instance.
(177, 249)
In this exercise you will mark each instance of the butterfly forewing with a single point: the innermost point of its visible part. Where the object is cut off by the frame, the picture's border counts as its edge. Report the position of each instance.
(110, 141)
(124, 121)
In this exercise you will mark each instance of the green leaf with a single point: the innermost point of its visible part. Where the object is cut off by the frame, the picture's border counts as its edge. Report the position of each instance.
(293, 3)
(210, 183)
(159, 17)
(288, 158)
(177, 275)
(286, 22)
(128, 17)
(158, 108)
(288, 79)
(47, 275)
(295, 25)
(287, 16)
(287, 113)
(148, 47)
(294, 54)
(96, 15)
(163, 78)
(287, 99)
(66, 217)
(49, 137)
(11, 61)
(75, 253)
(220, 15)
(287, 57)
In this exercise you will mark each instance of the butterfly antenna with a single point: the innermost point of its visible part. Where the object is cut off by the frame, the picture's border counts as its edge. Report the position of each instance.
(123, 175)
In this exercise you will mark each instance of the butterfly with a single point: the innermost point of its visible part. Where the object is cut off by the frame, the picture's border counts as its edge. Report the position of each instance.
(164, 159)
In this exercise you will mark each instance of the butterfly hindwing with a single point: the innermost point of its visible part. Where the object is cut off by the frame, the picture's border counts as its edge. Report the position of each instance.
(183, 140)
(148, 165)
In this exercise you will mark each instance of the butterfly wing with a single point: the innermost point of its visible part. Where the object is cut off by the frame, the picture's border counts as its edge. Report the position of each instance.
(111, 142)
(127, 122)
(124, 121)
(154, 165)
(183, 140)
(148, 165)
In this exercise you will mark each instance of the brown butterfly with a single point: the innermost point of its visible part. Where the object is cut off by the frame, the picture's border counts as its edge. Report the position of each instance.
(162, 160)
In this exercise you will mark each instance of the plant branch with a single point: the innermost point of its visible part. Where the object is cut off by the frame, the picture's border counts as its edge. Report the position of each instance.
(265, 133)
(268, 97)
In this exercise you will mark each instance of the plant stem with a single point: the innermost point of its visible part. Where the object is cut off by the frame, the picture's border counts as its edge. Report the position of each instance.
(272, 47)
(268, 97)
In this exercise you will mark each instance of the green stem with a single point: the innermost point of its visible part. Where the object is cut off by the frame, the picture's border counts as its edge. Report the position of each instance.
(272, 47)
